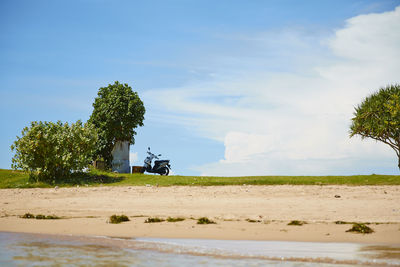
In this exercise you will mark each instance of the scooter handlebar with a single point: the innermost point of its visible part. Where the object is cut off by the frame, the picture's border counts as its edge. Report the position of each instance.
(151, 154)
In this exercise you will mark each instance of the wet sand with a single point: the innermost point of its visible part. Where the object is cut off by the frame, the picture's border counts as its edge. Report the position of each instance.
(86, 211)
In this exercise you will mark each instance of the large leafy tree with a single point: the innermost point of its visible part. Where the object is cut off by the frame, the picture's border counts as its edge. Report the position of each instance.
(117, 111)
(378, 117)
(52, 151)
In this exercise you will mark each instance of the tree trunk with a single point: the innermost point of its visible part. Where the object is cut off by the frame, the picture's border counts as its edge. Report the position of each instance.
(399, 162)
(120, 153)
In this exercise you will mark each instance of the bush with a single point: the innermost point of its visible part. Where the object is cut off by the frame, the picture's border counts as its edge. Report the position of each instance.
(50, 151)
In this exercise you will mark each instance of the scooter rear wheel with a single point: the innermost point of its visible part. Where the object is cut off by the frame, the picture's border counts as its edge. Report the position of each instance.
(164, 171)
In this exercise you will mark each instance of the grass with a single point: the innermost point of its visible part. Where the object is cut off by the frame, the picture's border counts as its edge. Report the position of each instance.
(205, 220)
(177, 219)
(18, 179)
(360, 228)
(119, 219)
(298, 223)
(153, 220)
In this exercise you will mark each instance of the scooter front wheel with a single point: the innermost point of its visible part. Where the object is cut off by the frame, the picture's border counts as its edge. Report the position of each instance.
(164, 171)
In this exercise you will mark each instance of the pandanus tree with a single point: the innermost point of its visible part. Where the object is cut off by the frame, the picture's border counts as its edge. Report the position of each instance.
(378, 118)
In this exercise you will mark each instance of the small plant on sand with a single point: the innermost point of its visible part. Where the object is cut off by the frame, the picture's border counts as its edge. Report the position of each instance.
(205, 220)
(341, 222)
(360, 228)
(39, 217)
(153, 220)
(298, 223)
(177, 219)
(52, 217)
(28, 216)
(253, 221)
(119, 218)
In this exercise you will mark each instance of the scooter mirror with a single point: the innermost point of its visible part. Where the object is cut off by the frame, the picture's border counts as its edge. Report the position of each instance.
(159, 155)
(148, 148)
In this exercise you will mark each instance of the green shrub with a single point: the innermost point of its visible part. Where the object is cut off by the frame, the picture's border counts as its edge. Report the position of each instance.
(50, 151)
(360, 228)
(172, 219)
(119, 218)
(205, 220)
(153, 220)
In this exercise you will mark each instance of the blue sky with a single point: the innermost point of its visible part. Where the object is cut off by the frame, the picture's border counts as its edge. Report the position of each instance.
(230, 87)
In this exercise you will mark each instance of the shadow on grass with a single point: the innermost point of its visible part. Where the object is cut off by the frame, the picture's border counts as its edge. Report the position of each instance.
(88, 179)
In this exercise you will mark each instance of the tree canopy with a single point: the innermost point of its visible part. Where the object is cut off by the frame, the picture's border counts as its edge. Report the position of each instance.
(117, 111)
(378, 117)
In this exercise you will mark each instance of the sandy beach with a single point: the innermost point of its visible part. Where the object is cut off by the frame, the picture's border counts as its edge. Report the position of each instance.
(86, 210)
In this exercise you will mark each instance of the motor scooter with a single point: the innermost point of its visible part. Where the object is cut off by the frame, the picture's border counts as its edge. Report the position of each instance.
(161, 167)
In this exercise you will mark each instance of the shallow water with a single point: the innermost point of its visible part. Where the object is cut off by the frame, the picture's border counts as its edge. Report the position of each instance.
(18, 249)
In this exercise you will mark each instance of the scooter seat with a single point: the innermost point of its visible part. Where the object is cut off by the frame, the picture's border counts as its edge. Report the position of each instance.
(161, 161)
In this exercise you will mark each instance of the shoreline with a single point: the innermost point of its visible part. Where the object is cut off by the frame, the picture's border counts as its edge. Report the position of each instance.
(87, 209)
(259, 253)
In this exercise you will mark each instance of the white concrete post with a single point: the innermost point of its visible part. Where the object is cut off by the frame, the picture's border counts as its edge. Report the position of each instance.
(120, 155)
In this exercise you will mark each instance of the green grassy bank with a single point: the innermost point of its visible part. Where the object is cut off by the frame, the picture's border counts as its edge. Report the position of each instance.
(18, 179)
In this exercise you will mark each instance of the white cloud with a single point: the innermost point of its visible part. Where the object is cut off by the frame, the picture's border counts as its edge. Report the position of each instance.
(369, 38)
(293, 120)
